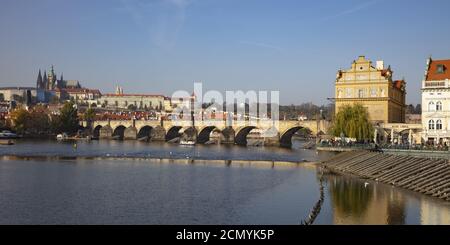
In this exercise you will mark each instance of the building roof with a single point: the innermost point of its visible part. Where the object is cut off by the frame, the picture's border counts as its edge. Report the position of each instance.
(130, 95)
(17, 88)
(78, 90)
(432, 73)
(399, 83)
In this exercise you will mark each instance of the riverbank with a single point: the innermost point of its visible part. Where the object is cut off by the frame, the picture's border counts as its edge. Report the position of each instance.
(429, 176)
(187, 160)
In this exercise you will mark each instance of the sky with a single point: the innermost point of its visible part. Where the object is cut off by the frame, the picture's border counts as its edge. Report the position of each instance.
(160, 46)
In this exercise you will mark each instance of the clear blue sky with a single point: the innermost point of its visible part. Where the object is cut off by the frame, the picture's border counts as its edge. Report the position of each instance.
(161, 46)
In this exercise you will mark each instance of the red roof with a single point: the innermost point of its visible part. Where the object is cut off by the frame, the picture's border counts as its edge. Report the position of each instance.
(399, 83)
(433, 75)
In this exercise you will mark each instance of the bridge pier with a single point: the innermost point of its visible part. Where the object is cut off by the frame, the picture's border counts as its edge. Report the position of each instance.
(106, 132)
(130, 133)
(227, 136)
(158, 133)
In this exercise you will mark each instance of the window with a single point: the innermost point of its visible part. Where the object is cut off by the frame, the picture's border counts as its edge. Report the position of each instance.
(440, 69)
(439, 125)
(348, 93)
(431, 106)
(438, 106)
(431, 124)
(360, 93)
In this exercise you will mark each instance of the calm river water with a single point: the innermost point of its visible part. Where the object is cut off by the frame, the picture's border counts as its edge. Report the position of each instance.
(107, 190)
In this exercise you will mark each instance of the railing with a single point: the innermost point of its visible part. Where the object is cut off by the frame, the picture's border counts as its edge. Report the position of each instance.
(435, 84)
(361, 146)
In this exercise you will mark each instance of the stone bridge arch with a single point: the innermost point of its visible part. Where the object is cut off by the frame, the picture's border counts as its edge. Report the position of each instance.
(144, 133)
(96, 131)
(173, 133)
(205, 133)
(189, 134)
(119, 132)
(286, 136)
(241, 135)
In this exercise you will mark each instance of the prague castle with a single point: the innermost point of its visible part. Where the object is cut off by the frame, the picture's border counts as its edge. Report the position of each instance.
(50, 82)
(374, 88)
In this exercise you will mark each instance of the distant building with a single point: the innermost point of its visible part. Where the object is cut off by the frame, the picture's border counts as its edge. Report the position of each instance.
(121, 100)
(436, 101)
(374, 88)
(413, 119)
(79, 95)
(23, 95)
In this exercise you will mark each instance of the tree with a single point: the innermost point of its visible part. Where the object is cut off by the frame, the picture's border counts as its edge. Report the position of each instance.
(20, 117)
(352, 122)
(68, 118)
(410, 109)
(89, 116)
(418, 109)
(132, 107)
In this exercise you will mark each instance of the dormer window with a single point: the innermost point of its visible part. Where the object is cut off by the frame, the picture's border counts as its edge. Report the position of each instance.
(440, 69)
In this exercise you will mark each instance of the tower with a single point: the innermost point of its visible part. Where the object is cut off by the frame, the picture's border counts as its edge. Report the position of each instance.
(51, 79)
(45, 81)
(39, 83)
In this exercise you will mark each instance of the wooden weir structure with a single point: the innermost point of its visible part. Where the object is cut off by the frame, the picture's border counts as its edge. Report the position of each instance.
(424, 175)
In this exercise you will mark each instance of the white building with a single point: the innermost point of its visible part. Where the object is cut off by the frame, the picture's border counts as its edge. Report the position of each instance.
(436, 102)
(121, 100)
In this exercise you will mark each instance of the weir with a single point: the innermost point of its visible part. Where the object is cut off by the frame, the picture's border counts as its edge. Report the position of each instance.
(429, 176)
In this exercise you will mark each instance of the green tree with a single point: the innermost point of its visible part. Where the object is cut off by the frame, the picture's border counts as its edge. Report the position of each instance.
(20, 119)
(89, 116)
(353, 122)
(68, 118)
(38, 122)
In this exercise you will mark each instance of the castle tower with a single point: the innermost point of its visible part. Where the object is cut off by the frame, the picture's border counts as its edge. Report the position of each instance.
(51, 79)
(39, 83)
(45, 81)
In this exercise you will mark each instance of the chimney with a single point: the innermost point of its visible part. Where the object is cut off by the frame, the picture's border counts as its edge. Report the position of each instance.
(380, 65)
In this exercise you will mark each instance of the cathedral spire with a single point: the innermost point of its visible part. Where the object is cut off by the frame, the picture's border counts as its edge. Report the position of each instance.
(39, 80)
(45, 80)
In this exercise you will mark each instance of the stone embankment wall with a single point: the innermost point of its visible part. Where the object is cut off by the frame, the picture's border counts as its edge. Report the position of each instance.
(429, 176)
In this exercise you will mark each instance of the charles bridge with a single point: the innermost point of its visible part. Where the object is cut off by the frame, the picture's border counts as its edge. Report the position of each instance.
(201, 132)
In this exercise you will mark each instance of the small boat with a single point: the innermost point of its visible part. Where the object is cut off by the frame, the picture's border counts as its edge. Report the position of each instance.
(62, 136)
(5, 134)
(6, 142)
(187, 142)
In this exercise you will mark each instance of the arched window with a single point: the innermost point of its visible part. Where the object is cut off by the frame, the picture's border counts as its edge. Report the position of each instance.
(431, 106)
(438, 106)
(431, 124)
(438, 125)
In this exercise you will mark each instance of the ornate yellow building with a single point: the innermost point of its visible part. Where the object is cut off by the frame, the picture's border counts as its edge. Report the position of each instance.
(374, 88)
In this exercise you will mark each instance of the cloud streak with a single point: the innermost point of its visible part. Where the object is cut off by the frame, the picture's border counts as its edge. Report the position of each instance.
(162, 19)
(262, 45)
(352, 10)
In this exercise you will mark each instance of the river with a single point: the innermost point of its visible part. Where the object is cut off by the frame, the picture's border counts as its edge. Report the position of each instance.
(120, 185)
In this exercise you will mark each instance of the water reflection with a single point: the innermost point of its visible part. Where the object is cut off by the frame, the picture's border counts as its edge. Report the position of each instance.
(358, 202)
(434, 214)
